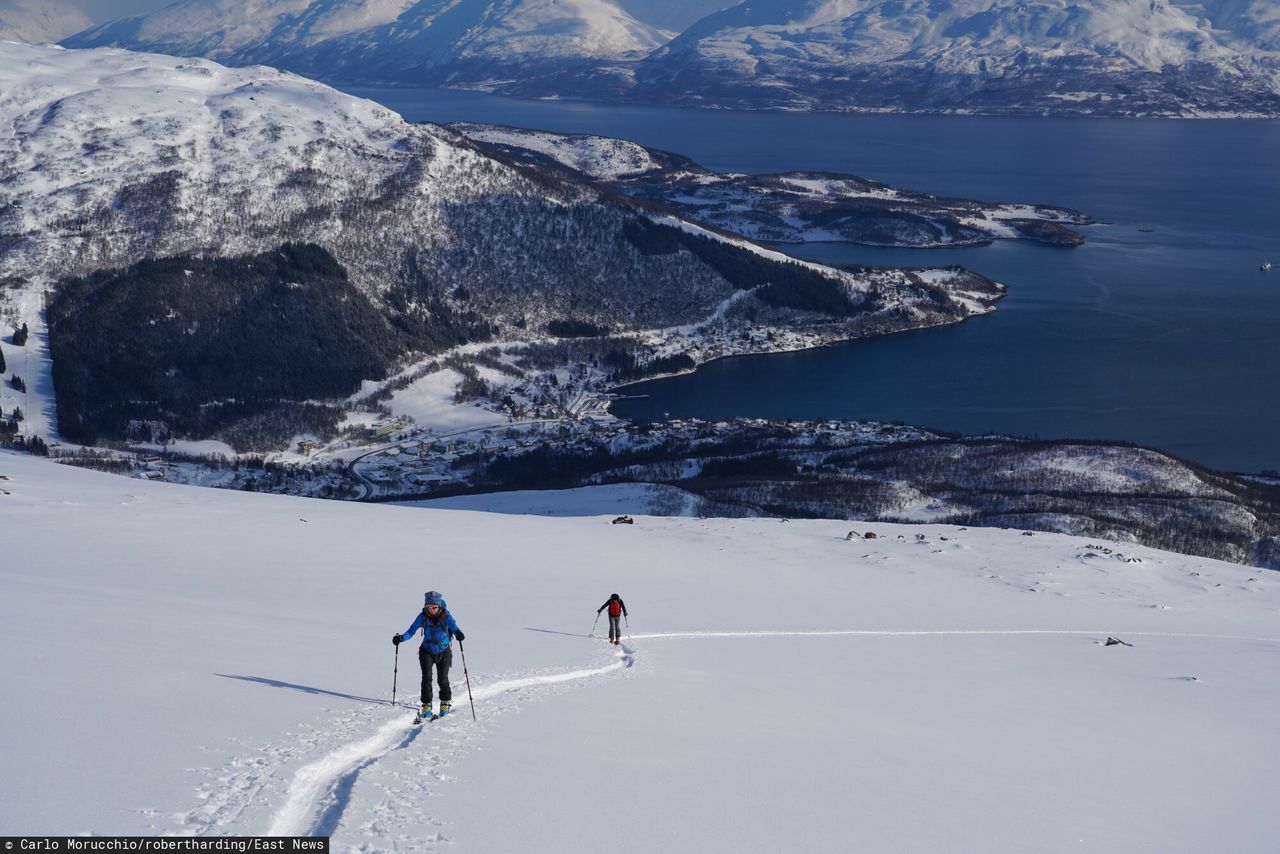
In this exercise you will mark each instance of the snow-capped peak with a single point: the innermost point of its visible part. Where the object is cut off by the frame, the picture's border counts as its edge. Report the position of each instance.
(1127, 56)
(955, 35)
(584, 28)
(387, 39)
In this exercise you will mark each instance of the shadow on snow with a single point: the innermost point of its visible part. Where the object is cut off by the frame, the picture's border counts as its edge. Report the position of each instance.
(307, 689)
(566, 634)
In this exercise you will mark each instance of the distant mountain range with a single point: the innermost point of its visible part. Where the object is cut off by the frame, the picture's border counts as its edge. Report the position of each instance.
(472, 42)
(1089, 57)
(1142, 57)
(40, 21)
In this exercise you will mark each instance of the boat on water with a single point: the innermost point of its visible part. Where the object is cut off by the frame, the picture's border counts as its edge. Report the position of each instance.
(1265, 266)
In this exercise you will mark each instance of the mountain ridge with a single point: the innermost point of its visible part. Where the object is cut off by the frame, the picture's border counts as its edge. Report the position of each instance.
(427, 40)
(1140, 57)
(1091, 57)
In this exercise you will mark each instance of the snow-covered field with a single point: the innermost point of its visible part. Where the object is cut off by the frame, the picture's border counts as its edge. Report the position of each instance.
(178, 660)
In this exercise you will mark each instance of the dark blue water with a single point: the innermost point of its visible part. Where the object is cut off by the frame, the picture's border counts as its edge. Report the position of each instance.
(1168, 337)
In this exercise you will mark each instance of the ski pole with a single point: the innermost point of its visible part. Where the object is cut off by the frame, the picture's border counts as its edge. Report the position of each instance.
(468, 675)
(596, 623)
(395, 677)
(628, 622)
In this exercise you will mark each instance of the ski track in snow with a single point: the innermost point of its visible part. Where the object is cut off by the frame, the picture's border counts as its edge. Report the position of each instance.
(320, 792)
(951, 632)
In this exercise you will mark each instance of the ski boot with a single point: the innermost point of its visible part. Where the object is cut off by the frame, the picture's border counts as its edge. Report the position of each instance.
(424, 714)
(444, 709)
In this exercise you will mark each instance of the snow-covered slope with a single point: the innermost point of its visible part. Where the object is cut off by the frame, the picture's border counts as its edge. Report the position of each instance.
(598, 157)
(1244, 22)
(1089, 56)
(39, 21)
(674, 15)
(466, 41)
(191, 661)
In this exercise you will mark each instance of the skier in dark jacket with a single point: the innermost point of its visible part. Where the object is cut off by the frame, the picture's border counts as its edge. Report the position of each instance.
(438, 627)
(617, 609)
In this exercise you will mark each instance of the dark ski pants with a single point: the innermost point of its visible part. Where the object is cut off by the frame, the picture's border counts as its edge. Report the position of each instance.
(442, 663)
(615, 631)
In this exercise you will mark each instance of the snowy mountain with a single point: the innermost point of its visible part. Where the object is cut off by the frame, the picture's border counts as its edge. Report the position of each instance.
(181, 213)
(1119, 57)
(674, 15)
(473, 41)
(1086, 57)
(953, 693)
(40, 21)
(1244, 22)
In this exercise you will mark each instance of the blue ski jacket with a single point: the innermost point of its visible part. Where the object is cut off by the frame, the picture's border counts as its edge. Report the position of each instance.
(437, 631)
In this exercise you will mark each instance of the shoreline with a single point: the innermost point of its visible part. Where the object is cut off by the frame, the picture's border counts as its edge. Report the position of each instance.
(956, 112)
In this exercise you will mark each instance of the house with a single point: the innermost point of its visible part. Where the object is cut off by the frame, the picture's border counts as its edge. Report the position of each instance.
(428, 479)
(378, 429)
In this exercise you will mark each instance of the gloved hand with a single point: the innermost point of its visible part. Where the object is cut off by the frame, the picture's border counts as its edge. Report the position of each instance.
(459, 636)
(396, 639)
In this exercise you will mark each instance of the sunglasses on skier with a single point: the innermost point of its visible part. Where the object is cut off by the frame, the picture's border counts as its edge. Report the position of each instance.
(433, 607)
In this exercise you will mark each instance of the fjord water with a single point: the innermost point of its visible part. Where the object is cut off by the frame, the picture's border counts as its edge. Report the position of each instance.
(1160, 330)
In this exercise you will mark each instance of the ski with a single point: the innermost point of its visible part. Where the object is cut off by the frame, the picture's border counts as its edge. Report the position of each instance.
(418, 718)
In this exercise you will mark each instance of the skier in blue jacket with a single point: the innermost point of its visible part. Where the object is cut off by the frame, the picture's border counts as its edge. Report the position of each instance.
(438, 627)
